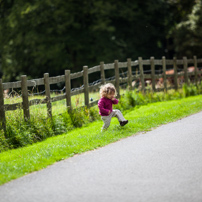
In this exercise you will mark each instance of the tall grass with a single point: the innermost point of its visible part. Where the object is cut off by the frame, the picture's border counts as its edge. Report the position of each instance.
(20, 133)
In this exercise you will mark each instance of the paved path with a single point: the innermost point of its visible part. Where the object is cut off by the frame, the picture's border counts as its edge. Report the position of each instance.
(158, 166)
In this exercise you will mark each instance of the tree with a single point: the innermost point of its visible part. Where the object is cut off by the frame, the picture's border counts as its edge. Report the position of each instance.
(188, 33)
(53, 35)
(50, 36)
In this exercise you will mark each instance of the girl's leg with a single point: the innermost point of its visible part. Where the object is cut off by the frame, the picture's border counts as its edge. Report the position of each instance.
(106, 120)
(117, 113)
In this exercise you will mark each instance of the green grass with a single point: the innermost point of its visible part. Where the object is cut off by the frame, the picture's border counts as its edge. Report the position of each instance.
(20, 133)
(57, 107)
(21, 161)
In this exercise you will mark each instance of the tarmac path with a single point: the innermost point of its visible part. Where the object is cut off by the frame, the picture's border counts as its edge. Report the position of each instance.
(162, 165)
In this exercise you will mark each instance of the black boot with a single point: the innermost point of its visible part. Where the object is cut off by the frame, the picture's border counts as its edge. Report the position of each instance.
(123, 123)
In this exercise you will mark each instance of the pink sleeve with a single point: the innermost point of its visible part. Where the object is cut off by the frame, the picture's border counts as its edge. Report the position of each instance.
(115, 101)
(101, 107)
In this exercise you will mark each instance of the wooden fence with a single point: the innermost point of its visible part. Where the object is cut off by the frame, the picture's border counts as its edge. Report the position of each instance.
(68, 76)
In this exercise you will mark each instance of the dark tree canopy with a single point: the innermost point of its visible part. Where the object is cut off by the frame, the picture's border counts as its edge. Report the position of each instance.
(53, 35)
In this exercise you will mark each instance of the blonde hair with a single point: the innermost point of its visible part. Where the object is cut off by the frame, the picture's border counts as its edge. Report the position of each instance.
(107, 89)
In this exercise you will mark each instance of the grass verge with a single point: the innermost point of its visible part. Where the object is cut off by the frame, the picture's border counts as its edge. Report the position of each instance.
(19, 162)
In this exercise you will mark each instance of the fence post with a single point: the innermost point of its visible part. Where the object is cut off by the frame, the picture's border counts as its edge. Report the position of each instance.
(102, 73)
(2, 109)
(141, 73)
(164, 73)
(48, 97)
(25, 101)
(68, 89)
(85, 82)
(116, 67)
(153, 73)
(196, 70)
(175, 72)
(129, 73)
(185, 70)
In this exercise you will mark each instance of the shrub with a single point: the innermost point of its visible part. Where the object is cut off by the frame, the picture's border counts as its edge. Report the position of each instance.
(3, 142)
(190, 90)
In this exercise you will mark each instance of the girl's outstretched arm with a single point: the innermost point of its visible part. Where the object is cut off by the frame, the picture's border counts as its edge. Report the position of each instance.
(115, 101)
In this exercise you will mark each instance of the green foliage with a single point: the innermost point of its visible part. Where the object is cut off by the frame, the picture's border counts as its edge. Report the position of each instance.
(199, 88)
(67, 121)
(187, 34)
(3, 142)
(21, 133)
(132, 98)
(131, 101)
(49, 36)
(191, 90)
(93, 114)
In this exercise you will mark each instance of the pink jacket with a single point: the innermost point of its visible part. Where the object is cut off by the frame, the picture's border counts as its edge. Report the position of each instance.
(105, 105)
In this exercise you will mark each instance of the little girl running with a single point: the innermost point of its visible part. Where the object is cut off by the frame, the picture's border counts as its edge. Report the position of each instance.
(108, 93)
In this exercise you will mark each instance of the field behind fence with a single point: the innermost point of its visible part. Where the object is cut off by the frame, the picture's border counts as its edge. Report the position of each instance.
(137, 71)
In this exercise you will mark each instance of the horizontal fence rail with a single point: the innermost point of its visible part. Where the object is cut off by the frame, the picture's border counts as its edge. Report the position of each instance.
(141, 75)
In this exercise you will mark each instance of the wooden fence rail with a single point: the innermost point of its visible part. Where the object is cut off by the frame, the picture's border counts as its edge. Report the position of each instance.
(68, 76)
